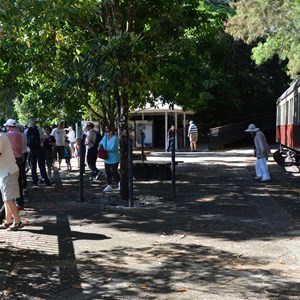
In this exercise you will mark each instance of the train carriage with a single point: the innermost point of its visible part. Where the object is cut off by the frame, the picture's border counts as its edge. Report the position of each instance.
(288, 122)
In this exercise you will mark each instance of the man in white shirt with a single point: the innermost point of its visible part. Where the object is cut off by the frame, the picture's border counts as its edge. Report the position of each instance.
(71, 137)
(60, 135)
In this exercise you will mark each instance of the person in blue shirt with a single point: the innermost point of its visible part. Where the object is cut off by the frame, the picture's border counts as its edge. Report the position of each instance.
(110, 143)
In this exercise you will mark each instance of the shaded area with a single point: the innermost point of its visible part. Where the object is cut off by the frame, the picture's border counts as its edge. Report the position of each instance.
(225, 236)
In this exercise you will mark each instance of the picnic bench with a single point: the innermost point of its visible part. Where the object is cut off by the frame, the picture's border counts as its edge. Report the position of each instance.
(152, 170)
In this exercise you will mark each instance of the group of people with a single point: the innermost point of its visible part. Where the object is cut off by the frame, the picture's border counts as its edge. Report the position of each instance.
(46, 149)
(22, 146)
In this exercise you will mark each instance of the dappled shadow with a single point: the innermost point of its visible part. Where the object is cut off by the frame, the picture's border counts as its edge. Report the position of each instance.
(35, 273)
(172, 268)
(195, 244)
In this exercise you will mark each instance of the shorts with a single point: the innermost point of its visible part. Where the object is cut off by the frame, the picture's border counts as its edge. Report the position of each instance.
(60, 150)
(194, 137)
(9, 186)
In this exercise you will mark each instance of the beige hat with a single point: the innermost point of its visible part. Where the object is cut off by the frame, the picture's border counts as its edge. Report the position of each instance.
(251, 128)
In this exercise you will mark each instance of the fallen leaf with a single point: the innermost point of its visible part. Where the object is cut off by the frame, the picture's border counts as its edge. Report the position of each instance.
(9, 291)
(182, 290)
(144, 286)
(108, 280)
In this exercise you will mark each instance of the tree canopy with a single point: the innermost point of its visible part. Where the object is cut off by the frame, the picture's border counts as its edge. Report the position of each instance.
(271, 27)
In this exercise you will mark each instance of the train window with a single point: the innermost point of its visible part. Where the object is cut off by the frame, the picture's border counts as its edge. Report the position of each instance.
(280, 116)
(290, 111)
(297, 110)
(278, 121)
(287, 108)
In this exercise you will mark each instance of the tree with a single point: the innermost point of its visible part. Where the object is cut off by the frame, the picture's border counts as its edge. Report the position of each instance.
(271, 27)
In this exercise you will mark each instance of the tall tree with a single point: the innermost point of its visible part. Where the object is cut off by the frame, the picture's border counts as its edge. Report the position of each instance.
(271, 27)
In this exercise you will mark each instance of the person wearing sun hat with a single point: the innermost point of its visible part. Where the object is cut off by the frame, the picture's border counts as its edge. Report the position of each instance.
(261, 152)
(110, 143)
(16, 140)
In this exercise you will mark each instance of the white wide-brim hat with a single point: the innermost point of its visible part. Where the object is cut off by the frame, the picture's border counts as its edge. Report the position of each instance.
(252, 128)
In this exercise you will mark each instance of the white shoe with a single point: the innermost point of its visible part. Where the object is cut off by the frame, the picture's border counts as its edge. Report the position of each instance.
(108, 188)
(119, 186)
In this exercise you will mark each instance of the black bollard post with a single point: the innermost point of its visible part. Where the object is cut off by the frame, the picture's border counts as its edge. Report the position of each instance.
(82, 160)
(130, 172)
(173, 170)
(142, 145)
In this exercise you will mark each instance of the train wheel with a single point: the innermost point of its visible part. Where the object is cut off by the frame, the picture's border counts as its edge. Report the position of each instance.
(279, 157)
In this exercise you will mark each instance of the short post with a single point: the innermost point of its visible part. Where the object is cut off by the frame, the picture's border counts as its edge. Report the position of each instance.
(142, 145)
(82, 160)
(173, 169)
(130, 172)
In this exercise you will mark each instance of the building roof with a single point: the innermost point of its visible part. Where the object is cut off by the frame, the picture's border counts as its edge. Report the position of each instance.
(160, 108)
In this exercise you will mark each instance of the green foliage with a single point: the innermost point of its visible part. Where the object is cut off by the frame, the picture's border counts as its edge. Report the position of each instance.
(272, 27)
(72, 59)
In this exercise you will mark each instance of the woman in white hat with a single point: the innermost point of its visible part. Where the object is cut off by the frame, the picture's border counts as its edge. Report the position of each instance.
(261, 152)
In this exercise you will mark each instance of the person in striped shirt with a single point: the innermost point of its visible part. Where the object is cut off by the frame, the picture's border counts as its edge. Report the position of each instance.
(193, 135)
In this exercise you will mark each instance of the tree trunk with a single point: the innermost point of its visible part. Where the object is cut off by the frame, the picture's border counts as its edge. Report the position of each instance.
(123, 133)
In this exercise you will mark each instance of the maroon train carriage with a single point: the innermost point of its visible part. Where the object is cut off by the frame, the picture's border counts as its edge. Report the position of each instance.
(288, 124)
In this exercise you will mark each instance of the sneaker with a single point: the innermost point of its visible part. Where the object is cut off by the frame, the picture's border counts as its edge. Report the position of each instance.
(5, 225)
(15, 226)
(258, 178)
(98, 176)
(266, 180)
(108, 188)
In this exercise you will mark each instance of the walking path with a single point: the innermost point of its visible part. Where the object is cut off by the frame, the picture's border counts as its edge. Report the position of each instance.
(224, 236)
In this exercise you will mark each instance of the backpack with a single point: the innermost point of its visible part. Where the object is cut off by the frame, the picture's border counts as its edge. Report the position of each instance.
(33, 137)
(98, 139)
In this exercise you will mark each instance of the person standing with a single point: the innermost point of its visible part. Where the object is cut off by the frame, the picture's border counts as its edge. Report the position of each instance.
(48, 148)
(68, 155)
(16, 141)
(111, 144)
(20, 128)
(71, 138)
(171, 137)
(60, 135)
(261, 153)
(35, 142)
(193, 135)
(77, 151)
(9, 173)
(92, 145)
